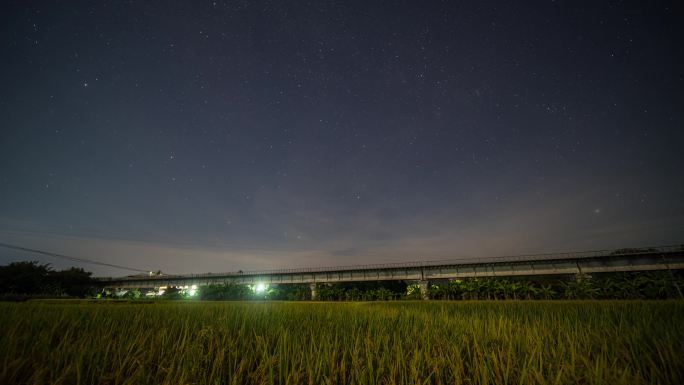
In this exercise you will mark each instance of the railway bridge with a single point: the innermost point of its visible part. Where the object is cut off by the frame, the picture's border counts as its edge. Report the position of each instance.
(573, 263)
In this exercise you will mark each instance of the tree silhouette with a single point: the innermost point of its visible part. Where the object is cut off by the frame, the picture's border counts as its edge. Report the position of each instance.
(32, 278)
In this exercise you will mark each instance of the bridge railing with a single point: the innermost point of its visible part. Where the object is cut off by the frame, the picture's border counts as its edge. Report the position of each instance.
(423, 264)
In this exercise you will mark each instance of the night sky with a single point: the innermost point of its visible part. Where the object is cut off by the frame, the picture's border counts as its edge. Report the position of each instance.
(198, 136)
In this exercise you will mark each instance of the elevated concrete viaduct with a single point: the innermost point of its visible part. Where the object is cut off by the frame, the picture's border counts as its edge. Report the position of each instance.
(575, 263)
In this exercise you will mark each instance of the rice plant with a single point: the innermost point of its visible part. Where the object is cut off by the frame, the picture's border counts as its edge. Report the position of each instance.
(400, 342)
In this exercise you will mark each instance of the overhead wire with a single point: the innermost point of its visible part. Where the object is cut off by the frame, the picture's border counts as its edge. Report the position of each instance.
(70, 258)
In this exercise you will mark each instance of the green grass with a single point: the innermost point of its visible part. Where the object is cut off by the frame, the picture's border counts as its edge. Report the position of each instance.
(83, 342)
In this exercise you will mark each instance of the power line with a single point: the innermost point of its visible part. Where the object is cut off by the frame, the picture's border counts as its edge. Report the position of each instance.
(74, 259)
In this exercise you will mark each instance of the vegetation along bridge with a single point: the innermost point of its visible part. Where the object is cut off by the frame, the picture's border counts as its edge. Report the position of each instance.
(575, 263)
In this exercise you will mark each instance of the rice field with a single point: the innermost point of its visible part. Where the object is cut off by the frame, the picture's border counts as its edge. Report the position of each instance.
(402, 342)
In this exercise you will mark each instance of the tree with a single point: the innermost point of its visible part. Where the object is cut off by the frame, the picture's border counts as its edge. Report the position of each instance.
(547, 292)
(503, 288)
(299, 293)
(352, 294)
(515, 289)
(580, 289)
(133, 294)
(437, 291)
(225, 292)
(488, 288)
(528, 290)
(413, 291)
(25, 278)
(472, 288)
(31, 278)
(172, 293)
(383, 294)
(74, 282)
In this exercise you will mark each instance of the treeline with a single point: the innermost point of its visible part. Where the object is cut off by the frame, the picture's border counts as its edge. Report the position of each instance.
(243, 292)
(367, 291)
(362, 291)
(32, 279)
(641, 285)
(26, 279)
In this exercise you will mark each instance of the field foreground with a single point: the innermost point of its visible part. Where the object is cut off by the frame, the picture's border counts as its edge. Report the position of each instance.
(83, 342)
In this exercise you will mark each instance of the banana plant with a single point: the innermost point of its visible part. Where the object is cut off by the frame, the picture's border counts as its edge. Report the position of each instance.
(547, 292)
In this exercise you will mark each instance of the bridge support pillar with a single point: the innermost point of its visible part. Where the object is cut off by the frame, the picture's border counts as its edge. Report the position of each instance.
(581, 275)
(312, 287)
(424, 294)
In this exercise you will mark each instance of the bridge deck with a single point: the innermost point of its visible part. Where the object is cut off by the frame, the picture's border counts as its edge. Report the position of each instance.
(656, 258)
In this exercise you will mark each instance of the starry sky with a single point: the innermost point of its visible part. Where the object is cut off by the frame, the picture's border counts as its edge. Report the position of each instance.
(198, 136)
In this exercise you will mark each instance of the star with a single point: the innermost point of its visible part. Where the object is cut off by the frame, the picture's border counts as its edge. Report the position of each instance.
(349, 134)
